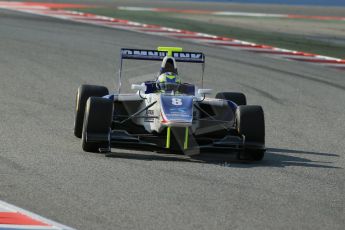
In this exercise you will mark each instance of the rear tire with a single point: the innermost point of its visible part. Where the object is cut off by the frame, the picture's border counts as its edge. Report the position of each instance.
(250, 123)
(83, 93)
(97, 124)
(238, 98)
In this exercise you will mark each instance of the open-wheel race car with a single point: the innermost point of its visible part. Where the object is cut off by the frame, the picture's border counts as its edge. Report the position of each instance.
(166, 114)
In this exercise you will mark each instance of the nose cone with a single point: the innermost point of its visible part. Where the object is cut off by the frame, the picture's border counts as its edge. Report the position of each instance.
(177, 111)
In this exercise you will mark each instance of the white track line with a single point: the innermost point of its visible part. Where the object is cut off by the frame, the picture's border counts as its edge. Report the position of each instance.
(231, 13)
(9, 208)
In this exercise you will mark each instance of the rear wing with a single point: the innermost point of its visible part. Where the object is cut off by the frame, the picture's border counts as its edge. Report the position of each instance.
(156, 55)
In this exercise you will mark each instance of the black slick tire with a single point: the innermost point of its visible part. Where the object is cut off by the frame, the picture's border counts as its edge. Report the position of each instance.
(238, 98)
(83, 93)
(97, 124)
(250, 123)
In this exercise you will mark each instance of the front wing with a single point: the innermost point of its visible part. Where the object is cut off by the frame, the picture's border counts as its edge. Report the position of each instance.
(196, 144)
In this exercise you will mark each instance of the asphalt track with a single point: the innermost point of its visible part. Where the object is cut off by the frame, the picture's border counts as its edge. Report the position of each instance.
(299, 185)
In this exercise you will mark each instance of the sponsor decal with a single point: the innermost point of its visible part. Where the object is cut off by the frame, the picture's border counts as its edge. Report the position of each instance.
(143, 54)
(159, 55)
(149, 113)
(188, 56)
(177, 108)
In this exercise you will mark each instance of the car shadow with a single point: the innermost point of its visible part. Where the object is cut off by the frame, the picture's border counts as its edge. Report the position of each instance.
(279, 157)
(274, 157)
(147, 156)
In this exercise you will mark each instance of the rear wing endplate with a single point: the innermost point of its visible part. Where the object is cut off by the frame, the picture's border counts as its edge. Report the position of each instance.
(156, 55)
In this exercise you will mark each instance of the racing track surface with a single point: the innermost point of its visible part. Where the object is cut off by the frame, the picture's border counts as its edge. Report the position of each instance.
(219, 6)
(300, 183)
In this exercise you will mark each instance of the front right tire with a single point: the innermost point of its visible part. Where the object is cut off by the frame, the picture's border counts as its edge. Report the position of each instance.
(250, 123)
(238, 98)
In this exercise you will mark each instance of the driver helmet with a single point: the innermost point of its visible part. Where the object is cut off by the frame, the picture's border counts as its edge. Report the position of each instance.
(168, 65)
(168, 81)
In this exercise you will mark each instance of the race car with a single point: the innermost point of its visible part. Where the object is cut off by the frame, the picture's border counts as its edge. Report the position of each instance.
(180, 119)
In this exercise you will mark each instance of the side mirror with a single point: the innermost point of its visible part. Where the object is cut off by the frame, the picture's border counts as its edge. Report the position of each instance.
(138, 87)
(204, 91)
